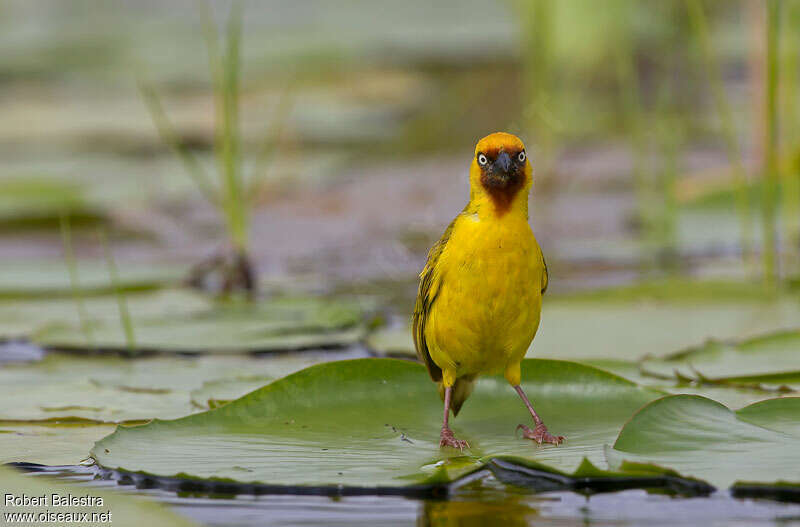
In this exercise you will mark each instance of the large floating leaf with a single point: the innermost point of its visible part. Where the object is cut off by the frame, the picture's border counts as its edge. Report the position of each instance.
(702, 438)
(125, 510)
(636, 323)
(112, 389)
(32, 201)
(629, 329)
(375, 423)
(216, 393)
(26, 317)
(771, 359)
(49, 443)
(276, 324)
(589, 479)
(735, 395)
(51, 278)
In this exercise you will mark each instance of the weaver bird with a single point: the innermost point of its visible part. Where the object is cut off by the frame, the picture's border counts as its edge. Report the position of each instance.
(480, 293)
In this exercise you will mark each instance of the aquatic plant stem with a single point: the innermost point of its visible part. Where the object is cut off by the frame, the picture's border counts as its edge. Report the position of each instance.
(633, 115)
(225, 70)
(74, 279)
(699, 25)
(790, 188)
(771, 130)
(122, 303)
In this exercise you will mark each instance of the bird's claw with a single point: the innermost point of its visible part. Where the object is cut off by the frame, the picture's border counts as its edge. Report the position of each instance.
(540, 434)
(448, 439)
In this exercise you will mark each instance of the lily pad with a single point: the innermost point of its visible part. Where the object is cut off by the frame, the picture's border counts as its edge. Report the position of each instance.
(703, 438)
(374, 423)
(22, 318)
(125, 510)
(38, 202)
(51, 278)
(736, 395)
(112, 389)
(216, 393)
(767, 360)
(272, 325)
(589, 479)
(630, 329)
(627, 326)
(49, 443)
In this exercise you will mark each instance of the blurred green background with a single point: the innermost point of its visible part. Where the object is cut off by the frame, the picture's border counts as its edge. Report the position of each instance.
(664, 136)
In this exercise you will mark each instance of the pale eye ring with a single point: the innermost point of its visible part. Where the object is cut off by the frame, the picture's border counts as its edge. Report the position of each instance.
(482, 159)
(521, 156)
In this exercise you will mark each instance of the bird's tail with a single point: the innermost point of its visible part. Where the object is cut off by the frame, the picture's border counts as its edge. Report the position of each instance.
(461, 390)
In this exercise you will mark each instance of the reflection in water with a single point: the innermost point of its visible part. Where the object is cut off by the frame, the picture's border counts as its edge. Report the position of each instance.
(482, 502)
(510, 512)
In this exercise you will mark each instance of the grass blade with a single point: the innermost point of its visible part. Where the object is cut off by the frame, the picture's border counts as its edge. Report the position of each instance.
(271, 142)
(699, 26)
(168, 134)
(74, 279)
(225, 71)
(771, 144)
(122, 303)
(790, 203)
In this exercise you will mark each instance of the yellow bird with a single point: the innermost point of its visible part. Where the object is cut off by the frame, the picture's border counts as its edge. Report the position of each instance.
(480, 293)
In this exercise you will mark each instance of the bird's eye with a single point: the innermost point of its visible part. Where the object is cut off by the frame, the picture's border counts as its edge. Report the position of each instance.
(482, 160)
(521, 156)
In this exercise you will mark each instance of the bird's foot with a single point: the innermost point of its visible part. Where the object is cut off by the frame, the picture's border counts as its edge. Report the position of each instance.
(448, 439)
(540, 434)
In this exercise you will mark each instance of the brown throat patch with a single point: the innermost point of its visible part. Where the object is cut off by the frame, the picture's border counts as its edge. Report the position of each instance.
(502, 194)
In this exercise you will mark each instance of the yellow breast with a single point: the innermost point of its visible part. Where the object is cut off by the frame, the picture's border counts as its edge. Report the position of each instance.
(487, 308)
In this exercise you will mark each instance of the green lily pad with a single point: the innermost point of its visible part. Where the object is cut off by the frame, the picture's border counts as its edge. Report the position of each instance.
(591, 327)
(39, 202)
(766, 360)
(113, 389)
(702, 438)
(375, 423)
(589, 479)
(125, 510)
(51, 278)
(272, 325)
(630, 329)
(735, 395)
(216, 393)
(21, 318)
(49, 443)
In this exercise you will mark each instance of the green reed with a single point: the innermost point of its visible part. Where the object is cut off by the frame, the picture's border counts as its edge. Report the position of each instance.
(122, 303)
(74, 279)
(771, 129)
(699, 26)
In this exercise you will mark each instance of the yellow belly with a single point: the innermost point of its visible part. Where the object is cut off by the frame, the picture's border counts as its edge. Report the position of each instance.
(487, 309)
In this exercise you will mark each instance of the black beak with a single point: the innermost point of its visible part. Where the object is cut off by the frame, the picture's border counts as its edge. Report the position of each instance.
(503, 162)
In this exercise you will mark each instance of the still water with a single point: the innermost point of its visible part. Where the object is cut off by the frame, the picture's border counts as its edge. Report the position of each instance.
(482, 502)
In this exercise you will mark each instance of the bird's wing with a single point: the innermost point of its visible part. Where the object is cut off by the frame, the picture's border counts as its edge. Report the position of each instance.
(545, 277)
(429, 283)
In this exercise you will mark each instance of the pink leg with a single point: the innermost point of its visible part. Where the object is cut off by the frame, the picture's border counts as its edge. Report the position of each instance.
(539, 432)
(447, 438)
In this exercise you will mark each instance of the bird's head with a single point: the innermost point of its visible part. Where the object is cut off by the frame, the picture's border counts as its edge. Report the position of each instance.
(501, 171)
